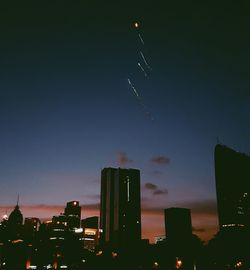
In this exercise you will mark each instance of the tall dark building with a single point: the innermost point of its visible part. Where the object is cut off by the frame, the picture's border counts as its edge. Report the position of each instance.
(120, 212)
(178, 222)
(31, 227)
(73, 214)
(15, 223)
(232, 174)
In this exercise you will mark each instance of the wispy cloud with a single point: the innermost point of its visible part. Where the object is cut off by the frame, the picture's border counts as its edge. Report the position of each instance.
(160, 160)
(155, 189)
(150, 186)
(122, 158)
(160, 191)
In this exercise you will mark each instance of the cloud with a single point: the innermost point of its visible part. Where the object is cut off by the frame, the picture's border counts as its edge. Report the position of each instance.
(150, 186)
(160, 191)
(123, 159)
(160, 160)
(155, 189)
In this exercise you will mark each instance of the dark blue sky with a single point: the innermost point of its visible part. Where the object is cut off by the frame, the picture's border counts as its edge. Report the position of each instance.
(67, 110)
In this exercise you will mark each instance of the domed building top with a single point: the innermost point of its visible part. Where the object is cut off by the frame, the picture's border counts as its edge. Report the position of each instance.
(16, 217)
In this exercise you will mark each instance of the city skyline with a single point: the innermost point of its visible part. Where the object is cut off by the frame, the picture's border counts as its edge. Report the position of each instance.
(109, 181)
(69, 75)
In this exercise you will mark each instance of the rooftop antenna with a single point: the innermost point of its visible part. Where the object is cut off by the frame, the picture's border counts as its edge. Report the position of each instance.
(17, 200)
(218, 140)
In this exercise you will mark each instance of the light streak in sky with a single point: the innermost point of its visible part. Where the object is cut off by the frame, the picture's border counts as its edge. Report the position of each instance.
(136, 25)
(141, 39)
(144, 59)
(140, 100)
(142, 69)
(132, 86)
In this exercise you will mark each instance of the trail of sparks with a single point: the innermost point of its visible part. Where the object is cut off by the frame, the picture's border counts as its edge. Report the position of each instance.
(142, 69)
(144, 59)
(132, 86)
(144, 107)
(141, 39)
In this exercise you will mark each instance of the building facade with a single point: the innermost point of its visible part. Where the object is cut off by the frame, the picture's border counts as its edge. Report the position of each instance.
(232, 175)
(73, 214)
(178, 222)
(120, 210)
(90, 232)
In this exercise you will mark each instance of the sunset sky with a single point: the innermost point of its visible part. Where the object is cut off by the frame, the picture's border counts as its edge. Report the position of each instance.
(67, 109)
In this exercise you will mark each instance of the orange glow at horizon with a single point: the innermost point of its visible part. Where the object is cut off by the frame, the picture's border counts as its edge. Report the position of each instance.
(152, 220)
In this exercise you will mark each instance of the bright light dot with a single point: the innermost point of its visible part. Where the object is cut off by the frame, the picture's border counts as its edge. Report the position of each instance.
(136, 25)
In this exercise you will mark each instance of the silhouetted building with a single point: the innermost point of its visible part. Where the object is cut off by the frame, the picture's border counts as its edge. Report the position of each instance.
(90, 222)
(31, 227)
(57, 228)
(178, 222)
(32, 224)
(90, 232)
(120, 212)
(15, 223)
(181, 245)
(73, 214)
(232, 174)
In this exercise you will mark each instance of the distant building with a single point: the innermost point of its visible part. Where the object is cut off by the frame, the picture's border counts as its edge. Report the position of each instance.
(120, 211)
(90, 232)
(73, 215)
(57, 228)
(32, 224)
(31, 227)
(232, 175)
(15, 224)
(90, 222)
(178, 222)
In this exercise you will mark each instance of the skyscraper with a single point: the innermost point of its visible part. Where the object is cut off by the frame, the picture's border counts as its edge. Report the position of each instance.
(232, 174)
(15, 223)
(178, 222)
(73, 214)
(120, 212)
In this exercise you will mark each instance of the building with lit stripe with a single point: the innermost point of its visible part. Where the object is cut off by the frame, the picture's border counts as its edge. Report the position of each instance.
(232, 174)
(120, 210)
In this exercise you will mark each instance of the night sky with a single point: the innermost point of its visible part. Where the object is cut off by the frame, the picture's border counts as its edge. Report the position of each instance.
(67, 109)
